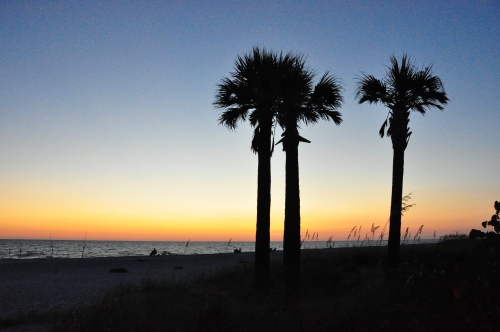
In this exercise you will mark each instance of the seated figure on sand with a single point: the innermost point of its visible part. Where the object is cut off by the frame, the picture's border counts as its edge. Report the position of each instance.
(153, 253)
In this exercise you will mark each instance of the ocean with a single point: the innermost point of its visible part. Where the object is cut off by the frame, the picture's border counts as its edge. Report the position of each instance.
(29, 249)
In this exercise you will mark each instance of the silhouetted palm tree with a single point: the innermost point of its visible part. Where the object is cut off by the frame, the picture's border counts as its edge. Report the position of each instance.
(404, 88)
(254, 91)
(301, 103)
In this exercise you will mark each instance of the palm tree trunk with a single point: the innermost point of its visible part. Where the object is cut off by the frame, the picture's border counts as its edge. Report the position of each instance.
(262, 236)
(396, 203)
(291, 238)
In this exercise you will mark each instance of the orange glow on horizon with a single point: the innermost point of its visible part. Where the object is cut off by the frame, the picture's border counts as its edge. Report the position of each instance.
(219, 229)
(456, 212)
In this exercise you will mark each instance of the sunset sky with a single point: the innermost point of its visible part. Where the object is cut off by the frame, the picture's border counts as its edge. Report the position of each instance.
(107, 125)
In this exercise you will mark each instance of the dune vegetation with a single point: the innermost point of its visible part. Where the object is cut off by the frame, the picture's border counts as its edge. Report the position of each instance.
(450, 285)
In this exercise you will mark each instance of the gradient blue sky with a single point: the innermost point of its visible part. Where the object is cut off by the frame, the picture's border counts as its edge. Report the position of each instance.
(107, 124)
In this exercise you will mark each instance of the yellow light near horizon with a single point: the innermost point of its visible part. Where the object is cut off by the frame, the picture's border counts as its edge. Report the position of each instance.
(131, 227)
(220, 230)
(441, 211)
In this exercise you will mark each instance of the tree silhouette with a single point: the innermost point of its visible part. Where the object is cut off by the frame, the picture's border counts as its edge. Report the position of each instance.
(495, 219)
(404, 88)
(302, 102)
(254, 90)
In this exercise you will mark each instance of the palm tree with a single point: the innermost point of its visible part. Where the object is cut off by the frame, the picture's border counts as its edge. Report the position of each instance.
(253, 91)
(404, 88)
(301, 103)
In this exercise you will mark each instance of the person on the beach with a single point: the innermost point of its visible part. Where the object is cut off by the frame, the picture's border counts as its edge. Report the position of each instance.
(153, 253)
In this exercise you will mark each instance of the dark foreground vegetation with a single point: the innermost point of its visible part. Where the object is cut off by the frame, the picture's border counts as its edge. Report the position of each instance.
(453, 286)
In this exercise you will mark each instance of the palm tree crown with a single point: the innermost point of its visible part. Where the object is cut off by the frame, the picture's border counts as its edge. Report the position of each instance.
(253, 91)
(405, 88)
(306, 103)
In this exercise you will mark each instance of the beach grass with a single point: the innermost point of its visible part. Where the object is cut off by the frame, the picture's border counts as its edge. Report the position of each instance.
(451, 285)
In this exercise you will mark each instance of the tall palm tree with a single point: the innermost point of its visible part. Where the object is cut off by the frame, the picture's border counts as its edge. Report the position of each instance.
(301, 103)
(404, 88)
(253, 91)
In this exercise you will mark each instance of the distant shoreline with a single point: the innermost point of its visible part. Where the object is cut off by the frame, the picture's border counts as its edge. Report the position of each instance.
(44, 249)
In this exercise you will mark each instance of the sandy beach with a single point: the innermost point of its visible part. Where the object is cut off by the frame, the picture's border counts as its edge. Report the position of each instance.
(52, 284)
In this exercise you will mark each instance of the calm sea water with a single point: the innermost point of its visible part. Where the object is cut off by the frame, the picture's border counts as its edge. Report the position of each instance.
(27, 249)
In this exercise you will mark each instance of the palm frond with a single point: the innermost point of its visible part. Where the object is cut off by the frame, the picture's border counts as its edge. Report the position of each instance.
(371, 90)
(335, 116)
(255, 140)
(327, 93)
(382, 129)
(231, 117)
(428, 91)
